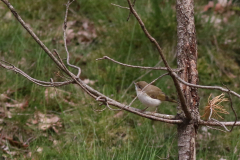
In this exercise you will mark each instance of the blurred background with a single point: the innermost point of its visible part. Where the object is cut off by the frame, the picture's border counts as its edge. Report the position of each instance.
(62, 123)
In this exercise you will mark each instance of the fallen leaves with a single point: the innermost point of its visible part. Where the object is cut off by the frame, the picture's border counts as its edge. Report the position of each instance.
(9, 106)
(11, 144)
(222, 11)
(83, 31)
(14, 140)
(52, 94)
(208, 6)
(88, 81)
(220, 7)
(45, 121)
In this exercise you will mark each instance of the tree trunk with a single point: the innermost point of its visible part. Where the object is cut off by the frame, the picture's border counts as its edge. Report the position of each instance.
(187, 59)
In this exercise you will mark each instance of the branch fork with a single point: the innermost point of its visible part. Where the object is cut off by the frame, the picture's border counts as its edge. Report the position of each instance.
(99, 96)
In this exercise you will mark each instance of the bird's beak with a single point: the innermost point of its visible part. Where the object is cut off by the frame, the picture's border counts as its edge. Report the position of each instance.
(134, 82)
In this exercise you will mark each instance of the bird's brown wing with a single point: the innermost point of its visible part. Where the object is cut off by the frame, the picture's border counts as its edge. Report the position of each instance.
(156, 93)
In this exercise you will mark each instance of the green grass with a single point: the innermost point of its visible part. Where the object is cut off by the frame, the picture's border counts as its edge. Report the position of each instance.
(92, 135)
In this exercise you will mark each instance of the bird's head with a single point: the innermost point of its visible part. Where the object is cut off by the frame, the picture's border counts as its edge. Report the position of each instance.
(140, 85)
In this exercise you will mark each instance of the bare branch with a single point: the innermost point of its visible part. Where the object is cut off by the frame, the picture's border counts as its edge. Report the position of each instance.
(147, 86)
(90, 91)
(142, 67)
(138, 79)
(212, 123)
(231, 104)
(206, 87)
(38, 82)
(165, 116)
(216, 129)
(112, 108)
(133, 100)
(96, 110)
(133, 4)
(60, 60)
(17, 16)
(65, 38)
(106, 103)
(155, 80)
(119, 6)
(185, 108)
(112, 102)
(221, 124)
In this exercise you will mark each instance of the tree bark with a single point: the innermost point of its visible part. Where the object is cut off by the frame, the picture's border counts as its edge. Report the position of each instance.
(187, 59)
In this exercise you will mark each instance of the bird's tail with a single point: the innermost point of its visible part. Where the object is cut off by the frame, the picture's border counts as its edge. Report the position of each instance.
(171, 100)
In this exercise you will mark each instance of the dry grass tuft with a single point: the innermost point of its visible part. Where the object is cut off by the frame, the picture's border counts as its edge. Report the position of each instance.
(214, 107)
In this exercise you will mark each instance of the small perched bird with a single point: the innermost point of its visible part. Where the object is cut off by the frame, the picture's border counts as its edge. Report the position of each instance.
(150, 96)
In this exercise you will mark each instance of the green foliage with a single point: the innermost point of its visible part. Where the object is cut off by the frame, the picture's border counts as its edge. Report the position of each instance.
(92, 135)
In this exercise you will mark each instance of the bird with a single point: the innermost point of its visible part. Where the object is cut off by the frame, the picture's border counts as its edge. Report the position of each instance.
(150, 95)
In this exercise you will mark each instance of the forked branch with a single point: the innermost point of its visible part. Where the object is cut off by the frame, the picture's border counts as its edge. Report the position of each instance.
(75, 79)
(94, 93)
(184, 106)
(38, 82)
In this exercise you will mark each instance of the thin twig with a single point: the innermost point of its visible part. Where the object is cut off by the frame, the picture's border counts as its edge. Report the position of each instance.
(96, 110)
(18, 17)
(141, 67)
(112, 108)
(90, 91)
(206, 87)
(214, 123)
(216, 129)
(133, 4)
(130, 104)
(147, 86)
(65, 39)
(220, 124)
(106, 103)
(119, 6)
(236, 117)
(138, 79)
(184, 106)
(60, 60)
(38, 82)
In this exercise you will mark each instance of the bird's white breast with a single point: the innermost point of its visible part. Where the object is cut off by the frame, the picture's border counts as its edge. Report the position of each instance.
(147, 100)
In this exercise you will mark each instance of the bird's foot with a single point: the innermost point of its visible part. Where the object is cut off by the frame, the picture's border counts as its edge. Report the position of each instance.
(155, 110)
(144, 109)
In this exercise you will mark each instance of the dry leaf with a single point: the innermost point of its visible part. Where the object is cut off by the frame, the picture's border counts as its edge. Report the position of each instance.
(8, 16)
(83, 33)
(71, 23)
(45, 121)
(219, 8)
(88, 81)
(208, 6)
(52, 93)
(18, 105)
(70, 35)
(3, 97)
(39, 149)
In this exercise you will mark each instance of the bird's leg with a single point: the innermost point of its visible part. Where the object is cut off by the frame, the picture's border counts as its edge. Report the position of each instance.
(144, 109)
(155, 110)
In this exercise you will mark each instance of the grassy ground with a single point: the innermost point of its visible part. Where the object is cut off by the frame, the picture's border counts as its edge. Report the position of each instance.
(84, 133)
